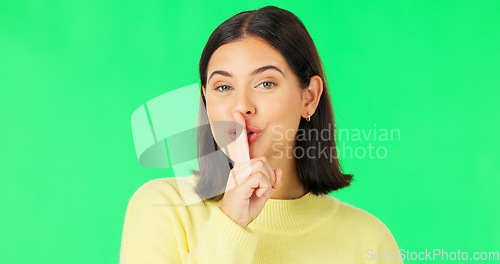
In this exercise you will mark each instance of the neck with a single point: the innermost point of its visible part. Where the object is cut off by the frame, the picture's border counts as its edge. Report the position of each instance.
(292, 187)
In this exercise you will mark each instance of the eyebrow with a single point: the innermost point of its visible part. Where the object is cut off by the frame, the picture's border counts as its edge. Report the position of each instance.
(257, 71)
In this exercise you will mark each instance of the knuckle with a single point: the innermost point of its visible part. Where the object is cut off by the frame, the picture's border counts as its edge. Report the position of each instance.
(266, 179)
(263, 178)
(257, 175)
(262, 163)
(264, 174)
(261, 174)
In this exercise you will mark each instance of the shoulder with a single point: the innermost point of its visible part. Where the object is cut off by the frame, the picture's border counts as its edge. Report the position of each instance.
(357, 214)
(172, 190)
(362, 222)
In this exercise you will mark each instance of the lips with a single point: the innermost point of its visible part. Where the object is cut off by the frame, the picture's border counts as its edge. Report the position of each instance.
(252, 133)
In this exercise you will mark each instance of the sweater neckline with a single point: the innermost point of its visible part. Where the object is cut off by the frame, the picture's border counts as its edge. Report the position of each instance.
(304, 212)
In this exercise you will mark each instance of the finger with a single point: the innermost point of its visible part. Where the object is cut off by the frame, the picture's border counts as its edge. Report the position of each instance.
(255, 165)
(262, 164)
(278, 183)
(257, 183)
(265, 185)
(239, 174)
(239, 150)
(279, 178)
(270, 169)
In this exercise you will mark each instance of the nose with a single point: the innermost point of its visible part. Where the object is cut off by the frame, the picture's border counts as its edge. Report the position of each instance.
(244, 104)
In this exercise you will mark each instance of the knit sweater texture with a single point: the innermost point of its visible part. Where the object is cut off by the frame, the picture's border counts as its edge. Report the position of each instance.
(166, 222)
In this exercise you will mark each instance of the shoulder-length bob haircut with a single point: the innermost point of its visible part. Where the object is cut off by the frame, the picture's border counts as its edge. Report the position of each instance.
(283, 30)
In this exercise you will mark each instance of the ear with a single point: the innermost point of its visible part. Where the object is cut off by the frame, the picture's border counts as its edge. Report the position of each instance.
(311, 96)
(204, 91)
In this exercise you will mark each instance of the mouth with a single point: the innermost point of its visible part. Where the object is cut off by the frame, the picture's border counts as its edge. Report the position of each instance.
(253, 133)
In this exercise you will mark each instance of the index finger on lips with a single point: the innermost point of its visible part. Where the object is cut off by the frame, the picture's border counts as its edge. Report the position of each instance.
(242, 152)
(238, 150)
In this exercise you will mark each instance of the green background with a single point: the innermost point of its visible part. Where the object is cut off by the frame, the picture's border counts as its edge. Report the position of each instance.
(72, 73)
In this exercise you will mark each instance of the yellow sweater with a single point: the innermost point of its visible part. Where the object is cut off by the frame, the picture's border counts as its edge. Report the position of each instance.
(166, 222)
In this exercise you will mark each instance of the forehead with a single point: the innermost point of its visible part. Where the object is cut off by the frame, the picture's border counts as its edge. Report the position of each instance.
(244, 55)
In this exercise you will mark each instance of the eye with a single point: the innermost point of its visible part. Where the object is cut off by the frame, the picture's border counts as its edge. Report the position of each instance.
(267, 85)
(222, 88)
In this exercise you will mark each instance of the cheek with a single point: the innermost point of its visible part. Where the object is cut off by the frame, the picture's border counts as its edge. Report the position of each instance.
(215, 110)
(286, 109)
(220, 123)
(287, 118)
(285, 124)
(288, 129)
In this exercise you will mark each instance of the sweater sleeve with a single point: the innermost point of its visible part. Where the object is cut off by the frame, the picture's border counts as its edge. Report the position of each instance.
(154, 233)
(387, 251)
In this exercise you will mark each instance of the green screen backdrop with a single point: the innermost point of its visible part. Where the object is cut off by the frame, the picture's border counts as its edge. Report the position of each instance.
(73, 72)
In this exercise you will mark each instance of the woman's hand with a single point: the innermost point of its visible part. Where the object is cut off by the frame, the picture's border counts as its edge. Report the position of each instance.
(251, 181)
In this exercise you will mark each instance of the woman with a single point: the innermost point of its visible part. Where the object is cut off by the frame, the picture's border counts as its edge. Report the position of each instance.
(261, 194)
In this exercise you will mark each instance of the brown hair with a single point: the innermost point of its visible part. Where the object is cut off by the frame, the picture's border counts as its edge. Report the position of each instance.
(283, 30)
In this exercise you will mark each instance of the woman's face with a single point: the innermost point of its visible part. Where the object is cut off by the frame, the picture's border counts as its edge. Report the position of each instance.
(251, 77)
